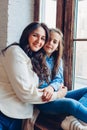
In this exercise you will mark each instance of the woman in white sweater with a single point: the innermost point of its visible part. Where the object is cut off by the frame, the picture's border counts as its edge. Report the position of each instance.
(18, 82)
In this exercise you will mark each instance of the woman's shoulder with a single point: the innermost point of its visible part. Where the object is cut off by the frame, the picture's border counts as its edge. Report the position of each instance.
(16, 51)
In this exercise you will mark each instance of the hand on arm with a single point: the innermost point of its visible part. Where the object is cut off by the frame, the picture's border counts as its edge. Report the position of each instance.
(62, 91)
(47, 93)
(23, 80)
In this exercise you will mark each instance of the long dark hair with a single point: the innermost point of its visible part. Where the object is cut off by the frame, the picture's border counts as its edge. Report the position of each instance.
(40, 66)
(37, 58)
(26, 33)
(23, 41)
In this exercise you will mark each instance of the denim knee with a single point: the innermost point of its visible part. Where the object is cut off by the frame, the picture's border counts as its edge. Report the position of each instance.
(16, 125)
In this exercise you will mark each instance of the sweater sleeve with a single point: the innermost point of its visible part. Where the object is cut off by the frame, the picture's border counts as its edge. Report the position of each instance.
(23, 80)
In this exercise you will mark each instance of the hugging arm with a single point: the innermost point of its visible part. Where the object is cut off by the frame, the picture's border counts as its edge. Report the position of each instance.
(55, 85)
(23, 80)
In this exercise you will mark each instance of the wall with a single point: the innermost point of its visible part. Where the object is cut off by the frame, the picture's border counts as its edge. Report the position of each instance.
(3, 22)
(14, 16)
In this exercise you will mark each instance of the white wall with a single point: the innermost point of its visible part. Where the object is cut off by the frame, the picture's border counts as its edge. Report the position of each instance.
(14, 16)
(3, 22)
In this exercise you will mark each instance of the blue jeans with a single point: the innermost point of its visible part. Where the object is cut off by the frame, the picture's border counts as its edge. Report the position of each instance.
(79, 95)
(7, 123)
(73, 104)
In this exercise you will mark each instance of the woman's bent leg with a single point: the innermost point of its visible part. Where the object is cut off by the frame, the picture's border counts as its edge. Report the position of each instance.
(79, 95)
(16, 124)
(83, 100)
(76, 94)
(65, 106)
(2, 127)
(7, 123)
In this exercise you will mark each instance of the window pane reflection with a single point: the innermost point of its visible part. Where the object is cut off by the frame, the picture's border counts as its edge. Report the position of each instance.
(81, 65)
(82, 19)
(48, 12)
(80, 75)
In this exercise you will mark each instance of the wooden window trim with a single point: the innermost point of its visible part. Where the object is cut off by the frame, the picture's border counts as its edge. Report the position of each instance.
(80, 39)
(60, 14)
(36, 10)
(65, 21)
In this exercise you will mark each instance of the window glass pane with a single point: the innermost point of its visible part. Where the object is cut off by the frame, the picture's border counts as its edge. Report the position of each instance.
(81, 65)
(80, 53)
(48, 12)
(82, 19)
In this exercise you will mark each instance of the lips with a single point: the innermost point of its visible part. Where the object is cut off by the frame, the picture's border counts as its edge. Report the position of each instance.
(36, 45)
(48, 47)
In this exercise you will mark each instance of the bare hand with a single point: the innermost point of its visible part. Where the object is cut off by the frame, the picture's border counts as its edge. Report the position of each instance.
(47, 93)
(62, 91)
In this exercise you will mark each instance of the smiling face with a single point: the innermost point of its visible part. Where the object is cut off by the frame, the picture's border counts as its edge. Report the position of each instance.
(52, 44)
(37, 39)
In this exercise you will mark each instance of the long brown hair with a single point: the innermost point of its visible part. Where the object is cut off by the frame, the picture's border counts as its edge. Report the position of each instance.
(37, 58)
(23, 41)
(58, 53)
(40, 66)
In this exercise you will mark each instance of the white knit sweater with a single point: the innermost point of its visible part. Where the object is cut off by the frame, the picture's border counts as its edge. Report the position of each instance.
(18, 84)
